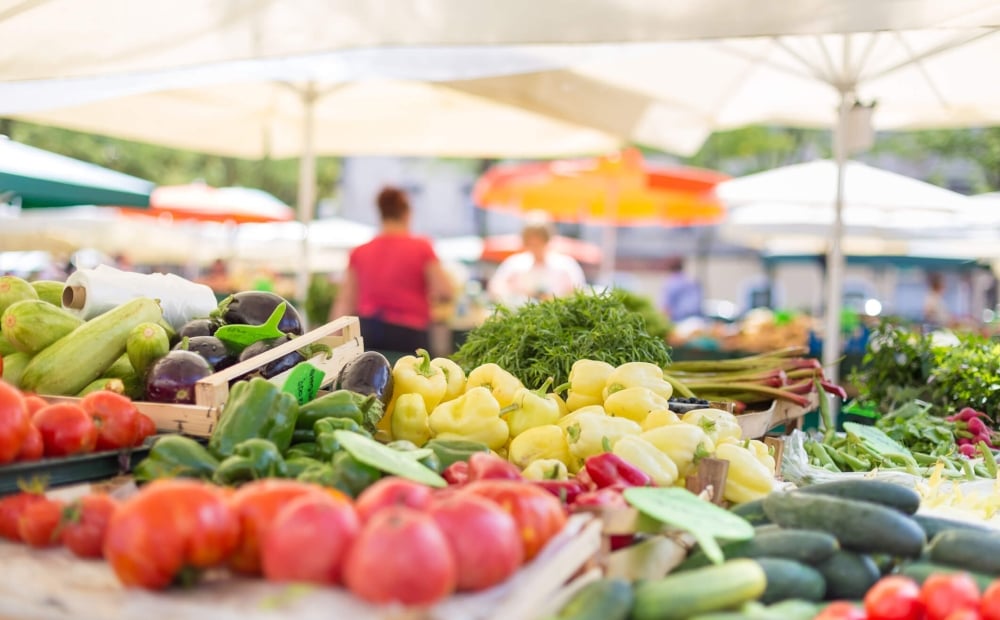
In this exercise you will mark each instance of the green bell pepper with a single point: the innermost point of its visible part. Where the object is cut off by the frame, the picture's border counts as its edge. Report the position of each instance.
(256, 409)
(431, 460)
(451, 451)
(308, 450)
(338, 404)
(322, 474)
(298, 464)
(353, 476)
(251, 460)
(176, 456)
(301, 435)
(327, 444)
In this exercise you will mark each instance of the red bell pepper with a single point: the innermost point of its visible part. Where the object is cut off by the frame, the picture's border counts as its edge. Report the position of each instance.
(602, 498)
(486, 466)
(566, 490)
(609, 469)
(456, 473)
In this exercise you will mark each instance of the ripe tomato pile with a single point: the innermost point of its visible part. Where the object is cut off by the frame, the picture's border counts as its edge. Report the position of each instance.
(954, 596)
(31, 428)
(398, 542)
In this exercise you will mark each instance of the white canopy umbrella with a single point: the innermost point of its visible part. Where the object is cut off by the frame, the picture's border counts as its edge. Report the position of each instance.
(68, 38)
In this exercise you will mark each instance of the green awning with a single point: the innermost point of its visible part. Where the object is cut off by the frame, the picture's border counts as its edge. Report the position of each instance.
(42, 179)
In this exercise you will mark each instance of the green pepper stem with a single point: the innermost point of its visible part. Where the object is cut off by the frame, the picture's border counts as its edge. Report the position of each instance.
(424, 367)
(559, 389)
(542, 391)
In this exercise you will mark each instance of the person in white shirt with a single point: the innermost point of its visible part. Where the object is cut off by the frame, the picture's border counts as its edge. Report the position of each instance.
(536, 273)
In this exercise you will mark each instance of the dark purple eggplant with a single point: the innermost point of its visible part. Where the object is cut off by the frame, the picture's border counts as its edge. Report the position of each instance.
(199, 327)
(368, 373)
(255, 307)
(171, 379)
(211, 348)
(277, 366)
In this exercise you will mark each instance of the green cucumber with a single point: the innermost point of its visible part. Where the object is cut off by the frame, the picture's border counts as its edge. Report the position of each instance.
(806, 546)
(13, 289)
(752, 512)
(113, 384)
(791, 609)
(31, 325)
(860, 526)
(903, 499)
(920, 571)
(49, 291)
(69, 364)
(788, 579)
(604, 599)
(13, 367)
(713, 588)
(932, 525)
(146, 343)
(848, 575)
(975, 551)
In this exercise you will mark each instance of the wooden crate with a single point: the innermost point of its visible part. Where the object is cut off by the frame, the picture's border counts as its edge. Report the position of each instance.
(343, 336)
(756, 424)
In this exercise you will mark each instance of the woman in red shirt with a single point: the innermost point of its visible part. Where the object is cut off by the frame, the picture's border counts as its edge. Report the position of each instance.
(392, 280)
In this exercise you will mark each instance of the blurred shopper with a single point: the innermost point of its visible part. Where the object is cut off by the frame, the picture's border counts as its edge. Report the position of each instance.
(538, 272)
(392, 280)
(681, 293)
(935, 309)
(217, 278)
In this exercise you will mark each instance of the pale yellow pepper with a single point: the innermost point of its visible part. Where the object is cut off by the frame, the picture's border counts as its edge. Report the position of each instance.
(531, 408)
(634, 403)
(718, 424)
(567, 420)
(658, 418)
(748, 479)
(474, 416)
(647, 457)
(539, 443)
(454, 377)
(410, 419)
(501, 384)
(762, 452)
(414, 374)
(586, 383)
(591, 434)
(546, 469)
(638, 374)
(685, 444)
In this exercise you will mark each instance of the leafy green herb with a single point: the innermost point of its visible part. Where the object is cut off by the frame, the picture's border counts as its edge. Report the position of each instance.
(543, 339)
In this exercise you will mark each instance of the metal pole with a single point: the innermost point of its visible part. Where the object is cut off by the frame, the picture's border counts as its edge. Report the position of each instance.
(307, 185)
(835, 257)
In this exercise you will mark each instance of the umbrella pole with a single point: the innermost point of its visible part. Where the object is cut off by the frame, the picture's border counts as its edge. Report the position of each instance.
(307, 186)
(835, 257)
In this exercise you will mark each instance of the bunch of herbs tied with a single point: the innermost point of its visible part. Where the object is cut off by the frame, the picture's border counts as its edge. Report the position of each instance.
(543, 339)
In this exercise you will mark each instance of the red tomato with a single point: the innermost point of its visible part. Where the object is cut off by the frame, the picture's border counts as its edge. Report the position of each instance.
(66, 429)
(34, 403)
(32, 448)
(38, 524)
(256, 505)
(146, 426)
(400, 555)
(943, 594)
(168, 526)
(11, 508)
(841, 610)
(85, 523)
(894, 598)
(538, 514)
(392, 491)
(989, 605)
(309, 539)
(483, 538)
(487, 466)
(14, 422)
(964, 614)
(115, 417)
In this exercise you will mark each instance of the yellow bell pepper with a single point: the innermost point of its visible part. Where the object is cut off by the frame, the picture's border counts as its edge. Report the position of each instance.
(685, 444)
(531, 408)
(591, 434)
(410, 419)
(644, 455)
(567, 420)
(634, 403)
(658, 418)
(563, 409)
(454, 377)
(586, 383)
(720, 425)
(474, 416)
(638, 374)
(762, 452)
(546, 469)
(416, 375)
(539, 443)
(498, 381)
(748, 479)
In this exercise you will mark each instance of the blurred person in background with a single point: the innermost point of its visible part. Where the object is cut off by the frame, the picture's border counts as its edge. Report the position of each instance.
(538, 272)
(936, 311)
(392, 281)
(681, 298)
(217, 278)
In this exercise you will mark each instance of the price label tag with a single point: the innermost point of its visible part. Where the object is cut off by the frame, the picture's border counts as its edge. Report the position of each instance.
(303, 382)
(242, 336)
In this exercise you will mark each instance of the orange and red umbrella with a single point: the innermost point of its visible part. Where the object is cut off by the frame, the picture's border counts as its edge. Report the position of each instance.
(204, 203)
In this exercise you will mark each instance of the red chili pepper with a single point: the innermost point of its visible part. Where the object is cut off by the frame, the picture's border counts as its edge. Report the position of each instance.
(486, 466)
(602, 498)
(566, 490)
(583, 477)
(456, 473)
(832, 388)
(608, 469)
